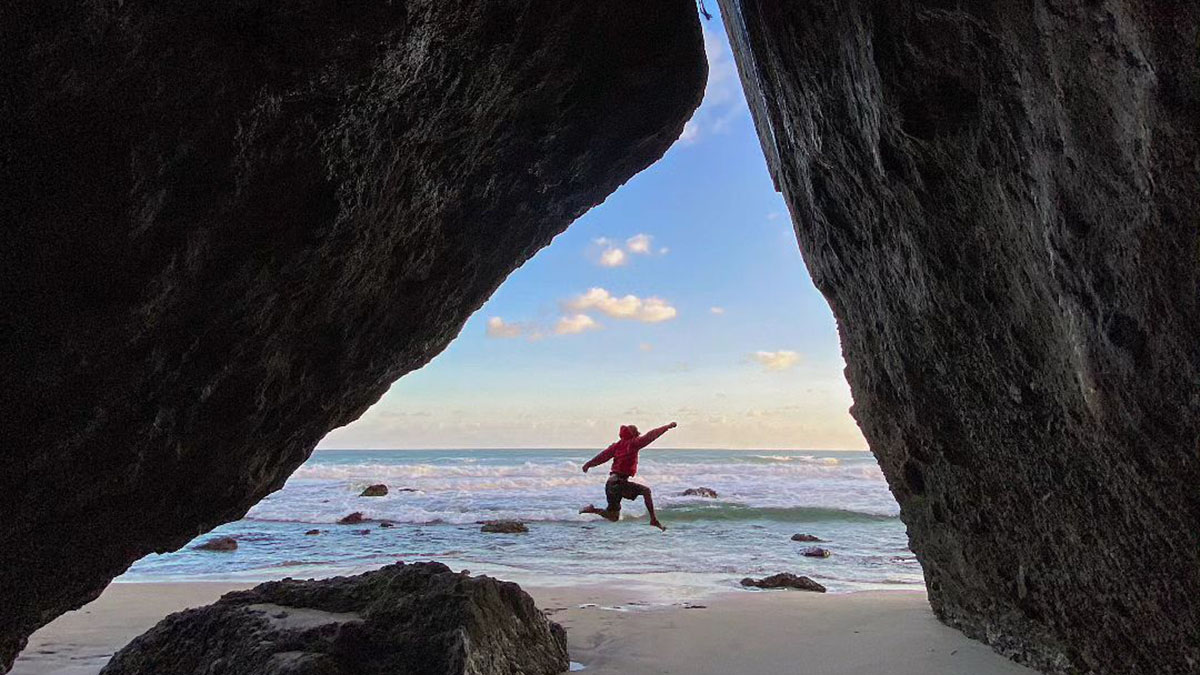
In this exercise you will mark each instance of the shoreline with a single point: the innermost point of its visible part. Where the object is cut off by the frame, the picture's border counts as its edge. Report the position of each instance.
(615, 630)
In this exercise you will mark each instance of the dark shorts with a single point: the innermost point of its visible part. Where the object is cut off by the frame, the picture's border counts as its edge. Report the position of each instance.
(620, 487)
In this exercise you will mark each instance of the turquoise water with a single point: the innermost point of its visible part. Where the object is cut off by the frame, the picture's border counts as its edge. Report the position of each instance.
(765, 497)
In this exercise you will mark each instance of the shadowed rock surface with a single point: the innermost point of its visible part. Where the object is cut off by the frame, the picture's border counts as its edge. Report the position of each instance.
(504, 527)
(784, 580)
(227, 229)
(1001, 202)
(420, 619)
(377, 490)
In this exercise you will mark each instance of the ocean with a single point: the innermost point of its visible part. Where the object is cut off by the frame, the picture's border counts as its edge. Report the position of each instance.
(764, 498)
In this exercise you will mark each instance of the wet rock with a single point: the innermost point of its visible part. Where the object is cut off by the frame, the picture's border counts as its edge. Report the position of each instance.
(699, 492)
(227, 229)
(377, 490)
(806, 538)
(785, 580)
(816, 552)
(218, 544)
(419, 618)
(352, 519)
(1001, 208)
(386, 524)
(504, 527)
(312, 532)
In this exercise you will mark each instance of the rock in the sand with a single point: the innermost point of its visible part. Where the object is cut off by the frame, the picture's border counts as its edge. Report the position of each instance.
(352, 519)
(699, 492)
(816, 552)
(312, 532)
(785, 580)
(377, 490)
(806, 538)
(504, 527)
(418, 618)
(218, 544)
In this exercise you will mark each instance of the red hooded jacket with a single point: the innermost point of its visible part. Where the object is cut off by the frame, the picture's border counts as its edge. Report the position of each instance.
(624, 453)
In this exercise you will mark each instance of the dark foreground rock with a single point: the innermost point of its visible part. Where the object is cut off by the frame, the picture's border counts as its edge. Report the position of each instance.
(377, 490)
(504, 527)
(699, 492)
(806, 537)
(218, 544)
(228, 228)
(352, 518)
(785, 580)
(1000, 201)
(420, 618)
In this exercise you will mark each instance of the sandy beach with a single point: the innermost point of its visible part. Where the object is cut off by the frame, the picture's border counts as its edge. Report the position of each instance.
(749, 633)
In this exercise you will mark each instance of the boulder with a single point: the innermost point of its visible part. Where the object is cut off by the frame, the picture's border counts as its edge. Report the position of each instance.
(999, 201)
(418, 618)
(228, 228)
(312, 532)
(386, 524)
(218, 544)
(699, 492)
(504, 527)
(352, 519)
(816, 552)
(785, 580)
(377, 490)
(806, 538)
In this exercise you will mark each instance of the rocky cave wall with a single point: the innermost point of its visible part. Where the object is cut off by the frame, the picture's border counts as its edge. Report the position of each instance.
(228, 229)
(1001, 202)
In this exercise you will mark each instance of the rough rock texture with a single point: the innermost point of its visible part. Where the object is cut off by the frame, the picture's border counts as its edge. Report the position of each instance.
(784, 580)
(816, 552)
(419, 619)
(504, 527)
(352, 518)
(699, 492)
(218, 544)
(1001, 202)
(377, 490)
(806, 537)
(228, 228)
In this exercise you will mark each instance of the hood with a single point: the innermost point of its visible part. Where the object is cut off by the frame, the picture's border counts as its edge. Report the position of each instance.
(628, 431)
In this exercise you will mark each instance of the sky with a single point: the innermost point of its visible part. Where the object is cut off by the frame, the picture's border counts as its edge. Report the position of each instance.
(681, 298)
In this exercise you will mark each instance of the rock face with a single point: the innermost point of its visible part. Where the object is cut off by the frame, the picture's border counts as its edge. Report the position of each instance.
(227, 229)
(419, 618)
(785, 580)
(377, 490)
(504, 527)
(1001, 202)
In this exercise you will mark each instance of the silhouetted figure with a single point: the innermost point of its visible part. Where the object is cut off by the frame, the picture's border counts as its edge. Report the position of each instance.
(624, 456)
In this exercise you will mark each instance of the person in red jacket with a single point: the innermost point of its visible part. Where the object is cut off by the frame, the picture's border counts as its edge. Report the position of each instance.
(624, 456)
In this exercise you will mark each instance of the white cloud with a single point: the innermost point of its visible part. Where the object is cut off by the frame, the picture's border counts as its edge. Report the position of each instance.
(613, 257)
(648, 310)
(575, 324)
(777, 361)
(639, 243)
(690, 133)
(717, 310)
(497, 328)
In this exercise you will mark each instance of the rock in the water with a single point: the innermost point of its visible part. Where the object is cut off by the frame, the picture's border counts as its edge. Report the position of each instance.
(419, 618)
(352, 518)
(360, 532)
(387, 523)
(218, 544)
(785, 580)
(312, 532)
(699, 492)
(1000, 202)
(504, 527)
(806, 538)
(377, 490)
(228, 228)
(816, 552)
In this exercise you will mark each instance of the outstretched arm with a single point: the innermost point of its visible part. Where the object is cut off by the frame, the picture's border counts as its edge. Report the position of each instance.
(652, 435)
(605, 455)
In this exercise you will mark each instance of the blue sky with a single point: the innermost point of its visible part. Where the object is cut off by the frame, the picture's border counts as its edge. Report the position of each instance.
(682, 298)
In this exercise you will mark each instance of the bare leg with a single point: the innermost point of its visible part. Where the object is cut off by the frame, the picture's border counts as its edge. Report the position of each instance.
(650, 510)
(603, 513)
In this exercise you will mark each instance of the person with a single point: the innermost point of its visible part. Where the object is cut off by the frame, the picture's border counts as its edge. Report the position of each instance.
(624, 456)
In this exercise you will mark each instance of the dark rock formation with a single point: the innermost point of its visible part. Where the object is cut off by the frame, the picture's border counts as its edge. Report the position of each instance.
(352, 518)
(360, 532)
(387, 524)
(228, 228)
(1001, 202)
(806, 538)
(504, 527)
(419, 618)
(312, 532)
(218, 544)
(699, 492)
(816, 552)
(377, 490)
(785, 580)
